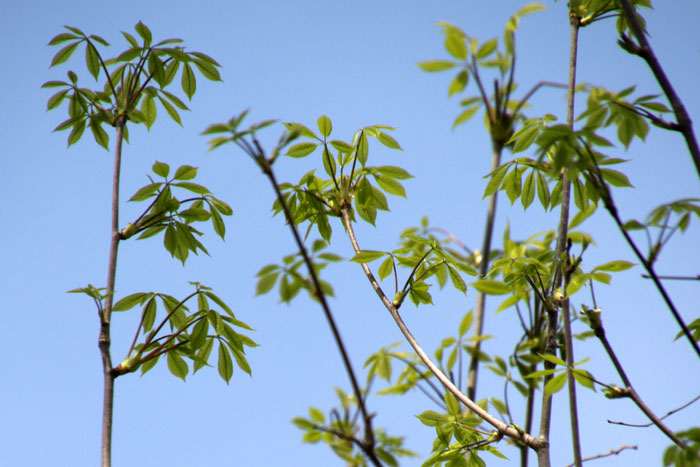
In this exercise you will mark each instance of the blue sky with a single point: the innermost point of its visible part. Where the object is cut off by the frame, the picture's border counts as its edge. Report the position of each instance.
(356, 63)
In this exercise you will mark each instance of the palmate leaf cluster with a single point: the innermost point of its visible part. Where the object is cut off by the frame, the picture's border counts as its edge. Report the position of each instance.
(191, 334)
(290, 276)
(175, 216)
(134, 81)
(341, 426)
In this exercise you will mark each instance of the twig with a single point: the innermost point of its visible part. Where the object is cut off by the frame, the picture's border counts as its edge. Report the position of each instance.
(646, 425)
(675, 278)
(613, 452)
(597, 326)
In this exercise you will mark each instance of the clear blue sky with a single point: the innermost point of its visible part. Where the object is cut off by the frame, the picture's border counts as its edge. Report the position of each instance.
(356, 63)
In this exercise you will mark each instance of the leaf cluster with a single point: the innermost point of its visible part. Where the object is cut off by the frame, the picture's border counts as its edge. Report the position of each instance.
(133, 82)
(340, 430)
(175, 216)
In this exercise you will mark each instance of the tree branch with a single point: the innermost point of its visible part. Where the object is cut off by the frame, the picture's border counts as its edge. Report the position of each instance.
(511, 432)
(643, 49)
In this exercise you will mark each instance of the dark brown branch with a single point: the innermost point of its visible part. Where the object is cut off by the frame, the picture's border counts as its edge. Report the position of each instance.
(597, 326)
(643, 49)
(368, 443)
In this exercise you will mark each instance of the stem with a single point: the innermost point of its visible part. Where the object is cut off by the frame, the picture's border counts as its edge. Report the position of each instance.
(105, 317)
(571, 383)
(367, 444)
(559, 280)
(630, 392)
(483, 269)
(503, 428)
(645, 51)
(648, 265)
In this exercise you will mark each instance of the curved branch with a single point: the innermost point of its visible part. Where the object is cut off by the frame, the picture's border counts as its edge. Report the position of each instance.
(535, 443)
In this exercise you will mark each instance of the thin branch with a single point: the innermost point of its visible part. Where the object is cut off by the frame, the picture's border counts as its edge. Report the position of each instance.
(644, 50)
(368, 443)
(511, 432)
(675, 278)
(597, 326)
(104, 339)
(613, 452)
(609, 203)
(646, 425)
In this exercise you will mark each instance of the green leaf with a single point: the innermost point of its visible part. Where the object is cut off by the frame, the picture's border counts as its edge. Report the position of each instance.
(171, 110)
(185, 172)
(149, 111)
(452, 404)
(394, 172)
(436, 65)
(367, 256)
(542, 190)
(615, 178)
(64, 54)
(131, 301)
(528, 192)
(457, 280)
(555, 384)
(458, 83)
(92, 60)
(63, 37)
(266, 283)
(324, 126)
(614, 266)
(99, 134)
(495, 180)
(486, 49)
(431, 418)
(390, 185)
(464, 116)
(456, 46)
(388, 141)
(193, 187)
(301, 149)
(144, 32)
(466, 322)
(316, 415)
(188, 81)
(225, 364)
(512, 184)
(530, 8)
(218, 223)
(492, 287)
(222, 207)
(301, 129)
(161, 168)
(386, 268)
(177, 365)
(77, 132)
(207, 70)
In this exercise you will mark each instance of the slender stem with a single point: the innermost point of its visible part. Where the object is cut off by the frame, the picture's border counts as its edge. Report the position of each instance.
(645, 51)
(503, 428)
(630, 392)
(563, 232)
(105, 317)
(613, 452)
(648, 265)
(368, 444)
(483, 269)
